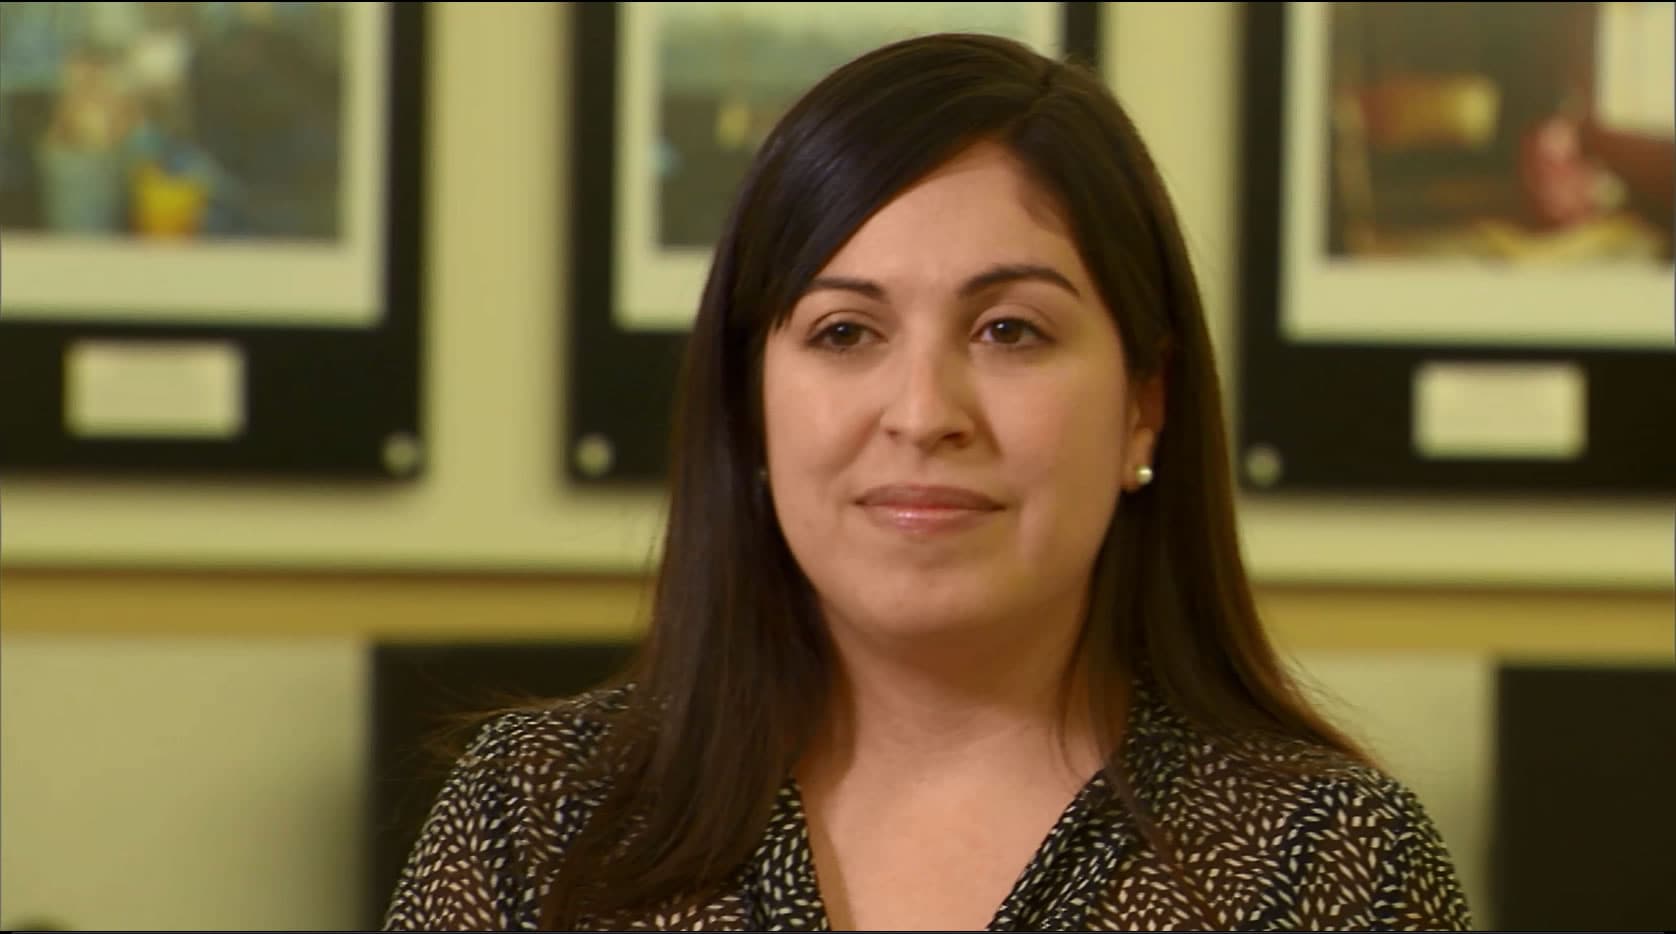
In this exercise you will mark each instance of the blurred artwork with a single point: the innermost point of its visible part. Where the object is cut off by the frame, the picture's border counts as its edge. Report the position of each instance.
(727, 71)
(1510, 132)
(180, 121)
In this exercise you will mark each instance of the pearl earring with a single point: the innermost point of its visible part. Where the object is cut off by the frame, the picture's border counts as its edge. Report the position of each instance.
(1143, 474)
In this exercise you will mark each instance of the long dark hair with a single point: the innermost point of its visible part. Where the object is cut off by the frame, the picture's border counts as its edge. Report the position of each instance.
(734, 670)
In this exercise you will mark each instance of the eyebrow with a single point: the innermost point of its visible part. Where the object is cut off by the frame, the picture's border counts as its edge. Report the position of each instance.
(1002, 274)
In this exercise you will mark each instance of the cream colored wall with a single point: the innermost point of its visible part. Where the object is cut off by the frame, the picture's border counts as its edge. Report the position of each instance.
(184, 749)
(156, 783)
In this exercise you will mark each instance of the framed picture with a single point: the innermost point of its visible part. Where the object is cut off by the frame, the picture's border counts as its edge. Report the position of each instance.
(1457, 248)
(211, 218)
(671, 100)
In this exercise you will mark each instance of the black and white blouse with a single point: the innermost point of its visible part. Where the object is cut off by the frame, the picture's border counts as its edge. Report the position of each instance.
(1345, 848)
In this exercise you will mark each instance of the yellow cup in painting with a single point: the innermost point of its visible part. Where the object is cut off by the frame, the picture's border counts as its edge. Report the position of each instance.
(167, 205)
(1420, 111)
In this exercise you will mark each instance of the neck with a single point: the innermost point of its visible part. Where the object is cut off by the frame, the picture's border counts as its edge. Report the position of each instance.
(993, 698)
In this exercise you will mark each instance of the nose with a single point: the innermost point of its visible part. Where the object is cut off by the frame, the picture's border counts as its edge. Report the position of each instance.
(931, 399)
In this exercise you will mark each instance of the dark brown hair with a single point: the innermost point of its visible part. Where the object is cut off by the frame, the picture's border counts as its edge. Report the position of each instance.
(734, 669)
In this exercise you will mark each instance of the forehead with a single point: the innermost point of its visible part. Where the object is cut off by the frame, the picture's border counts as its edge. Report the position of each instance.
(981, 207)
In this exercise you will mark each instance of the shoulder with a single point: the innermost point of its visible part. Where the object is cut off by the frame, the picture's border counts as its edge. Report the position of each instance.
(1236, 778)
(1309, 789)
(534, 770)
(510, 804)
(1254, 787)
(1336, 841)
(554, 741)
(1282, 832)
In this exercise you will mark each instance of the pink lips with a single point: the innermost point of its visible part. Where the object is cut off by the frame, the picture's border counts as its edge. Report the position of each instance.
(926, 509)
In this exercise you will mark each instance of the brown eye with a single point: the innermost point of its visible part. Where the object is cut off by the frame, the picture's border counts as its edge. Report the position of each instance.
(841, 335)
(1010, 331)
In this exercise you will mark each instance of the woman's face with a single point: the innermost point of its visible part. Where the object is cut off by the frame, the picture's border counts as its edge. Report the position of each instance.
(949, 422)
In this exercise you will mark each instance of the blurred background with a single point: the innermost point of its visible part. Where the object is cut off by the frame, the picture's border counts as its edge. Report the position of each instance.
(209, 690)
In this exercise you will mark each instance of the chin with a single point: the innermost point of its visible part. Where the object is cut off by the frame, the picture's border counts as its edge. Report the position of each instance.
(890, 595)
(914, 606)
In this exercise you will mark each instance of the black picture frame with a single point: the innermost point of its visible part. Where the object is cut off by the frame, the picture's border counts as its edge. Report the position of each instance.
(622, 381)
(1339, 416)
(318, 402)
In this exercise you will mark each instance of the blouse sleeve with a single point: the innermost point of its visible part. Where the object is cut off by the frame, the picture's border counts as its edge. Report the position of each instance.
(1419, 889)
(463, 872)
(1376, 862)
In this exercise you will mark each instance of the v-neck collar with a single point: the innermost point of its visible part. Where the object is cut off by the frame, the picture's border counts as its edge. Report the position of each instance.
(1054, 890)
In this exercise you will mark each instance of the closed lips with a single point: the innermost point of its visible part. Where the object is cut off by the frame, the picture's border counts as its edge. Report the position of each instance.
(928, 497)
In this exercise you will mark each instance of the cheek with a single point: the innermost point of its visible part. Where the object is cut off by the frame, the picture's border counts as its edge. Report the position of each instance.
(785, 403)
(794, 419)
(1067, 444)
(811, 431)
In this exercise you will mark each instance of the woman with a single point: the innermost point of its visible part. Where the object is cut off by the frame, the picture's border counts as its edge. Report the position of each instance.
(951, 629)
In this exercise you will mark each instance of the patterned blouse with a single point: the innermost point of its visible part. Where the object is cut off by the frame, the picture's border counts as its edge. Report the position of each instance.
(1344, 848)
